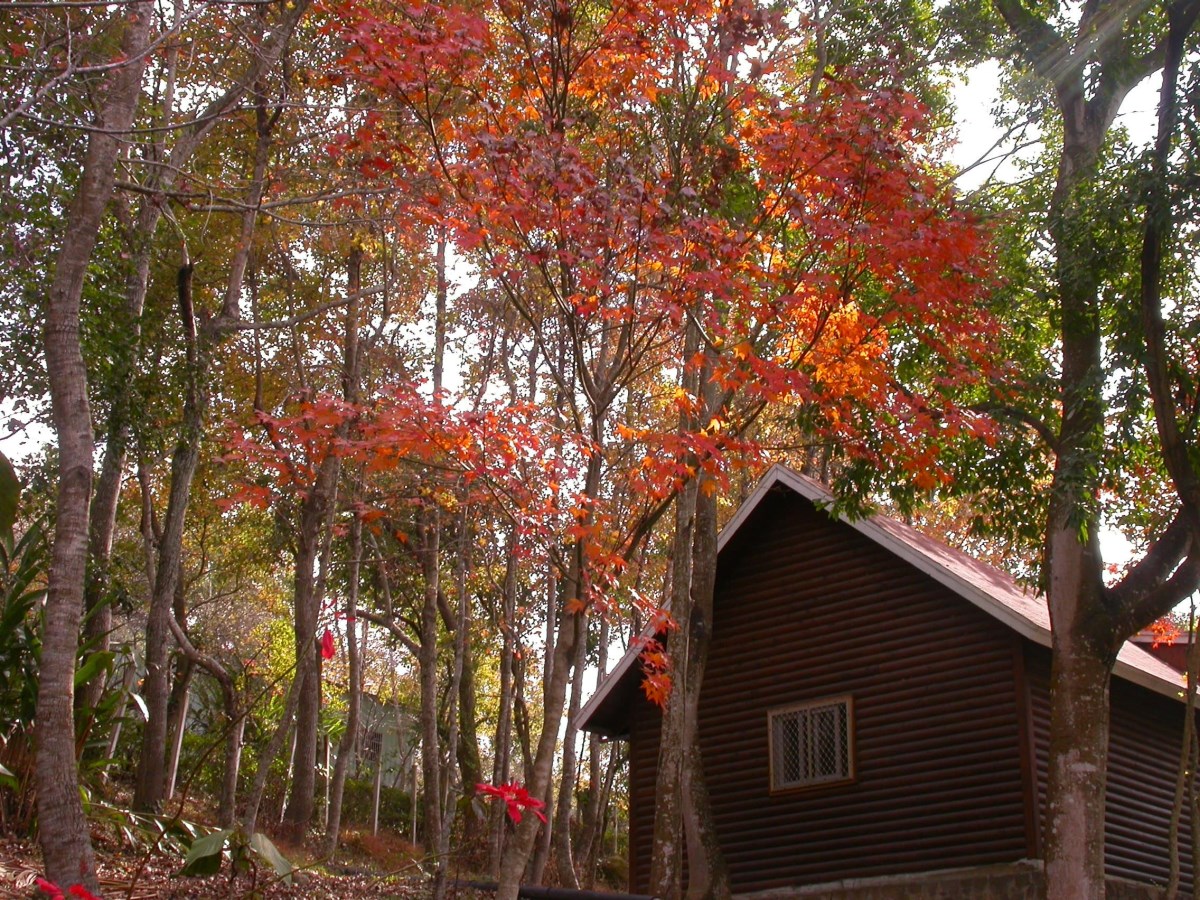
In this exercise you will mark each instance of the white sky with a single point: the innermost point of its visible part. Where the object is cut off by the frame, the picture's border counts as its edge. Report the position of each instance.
(975, 98)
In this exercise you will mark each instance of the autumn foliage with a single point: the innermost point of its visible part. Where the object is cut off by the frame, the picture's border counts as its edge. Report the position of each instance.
(614, 174)
(683, 237)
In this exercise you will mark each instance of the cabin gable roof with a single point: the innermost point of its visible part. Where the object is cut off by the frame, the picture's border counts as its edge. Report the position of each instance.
(986, 587)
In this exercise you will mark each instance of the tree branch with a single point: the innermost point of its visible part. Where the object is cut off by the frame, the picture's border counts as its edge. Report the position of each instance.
(1165, 575)
(392, 628)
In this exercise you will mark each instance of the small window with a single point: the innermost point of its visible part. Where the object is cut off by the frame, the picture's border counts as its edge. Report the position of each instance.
(372, 747)
(811, 744)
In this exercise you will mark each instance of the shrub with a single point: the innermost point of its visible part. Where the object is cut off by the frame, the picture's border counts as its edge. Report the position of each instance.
(395, 807)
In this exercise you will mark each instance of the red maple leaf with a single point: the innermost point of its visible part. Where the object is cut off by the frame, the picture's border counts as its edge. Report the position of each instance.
(516, 798)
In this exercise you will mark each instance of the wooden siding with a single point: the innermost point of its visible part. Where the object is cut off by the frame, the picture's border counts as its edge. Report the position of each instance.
(808, 608)
(1145, 737)
(643, 770)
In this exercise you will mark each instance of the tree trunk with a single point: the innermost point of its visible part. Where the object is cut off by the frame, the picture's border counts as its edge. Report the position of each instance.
(667, 850)
(270, 753)
(430, 530)
(1078, 767)
(707, 875)
(564, 854)
(501, 773)
(151, 773)
(1090, 79)
(596, 850)
(470, 766)
(351, 367)
(200, 344)
(127, 679)
(571, 629)
(177, 714)
(453, 713)
(1081, 661)
(685, 821)
(315, 513)
(63, 833)
(102, 524)
(666, 859)
(235, 727)
(593, 818)
(349, 741)
(235, 718)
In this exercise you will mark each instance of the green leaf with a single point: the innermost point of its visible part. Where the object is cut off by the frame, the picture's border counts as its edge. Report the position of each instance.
(204, 856)
(262, 845)
(100, 661)
(10, 494)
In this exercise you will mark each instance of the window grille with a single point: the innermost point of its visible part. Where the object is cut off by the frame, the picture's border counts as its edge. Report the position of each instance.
(372, 747)
(811, 744)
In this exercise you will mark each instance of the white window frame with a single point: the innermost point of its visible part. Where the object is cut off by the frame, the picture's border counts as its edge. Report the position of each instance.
(845, 752)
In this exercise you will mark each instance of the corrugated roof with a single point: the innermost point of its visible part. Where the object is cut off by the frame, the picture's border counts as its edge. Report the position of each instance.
(992, 590)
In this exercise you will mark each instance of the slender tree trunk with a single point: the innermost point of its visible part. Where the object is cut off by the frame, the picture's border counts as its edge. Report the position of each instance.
(349, 741)
(593, 813)
(566, 789)
(270, 754)
(151, 773)
(707, 874)
(200, 345)
(470, 765)
(501, 773)
(234, 715)
(164, 171)
(177, 707)
(98, 624)
(127, 679)
(430, 529)
(666, 861)
(453, 714)
(572, 625)
(535, 871)
(667, 850)
(351, 368)
(63, 833)
(686, 817)
(315, 514)
(429, 526)
(235, 725)
(596, 849)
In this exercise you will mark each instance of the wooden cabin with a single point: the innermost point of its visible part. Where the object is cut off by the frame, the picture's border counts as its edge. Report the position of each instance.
(874, 718)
